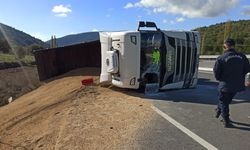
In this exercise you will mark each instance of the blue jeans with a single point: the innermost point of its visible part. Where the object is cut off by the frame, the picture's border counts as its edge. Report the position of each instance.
(225, 98)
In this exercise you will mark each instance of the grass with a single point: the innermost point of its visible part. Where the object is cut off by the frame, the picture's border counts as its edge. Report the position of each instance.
(12, 58)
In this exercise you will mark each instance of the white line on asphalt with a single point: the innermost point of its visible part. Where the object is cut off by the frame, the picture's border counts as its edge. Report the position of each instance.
(185, 130)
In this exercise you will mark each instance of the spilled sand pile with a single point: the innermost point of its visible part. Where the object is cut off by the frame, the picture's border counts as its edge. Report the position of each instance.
(63, 114)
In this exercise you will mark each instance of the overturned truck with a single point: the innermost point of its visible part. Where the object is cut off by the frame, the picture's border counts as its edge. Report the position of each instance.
(131, 59)
(134, 59)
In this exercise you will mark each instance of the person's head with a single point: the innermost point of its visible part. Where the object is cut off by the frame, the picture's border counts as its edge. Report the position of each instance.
(228, 44)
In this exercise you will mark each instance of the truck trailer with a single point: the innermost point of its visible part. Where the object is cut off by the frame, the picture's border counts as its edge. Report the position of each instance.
(150, 56)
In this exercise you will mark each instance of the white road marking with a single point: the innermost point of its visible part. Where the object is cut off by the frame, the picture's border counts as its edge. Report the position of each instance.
(185, 130)
(238, 100)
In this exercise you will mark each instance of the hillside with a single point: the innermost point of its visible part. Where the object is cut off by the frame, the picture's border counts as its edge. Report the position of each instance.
(77, 38)
(17, 37)
(214, 35)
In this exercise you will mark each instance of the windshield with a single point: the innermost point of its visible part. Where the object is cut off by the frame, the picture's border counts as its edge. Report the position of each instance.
(150, 47)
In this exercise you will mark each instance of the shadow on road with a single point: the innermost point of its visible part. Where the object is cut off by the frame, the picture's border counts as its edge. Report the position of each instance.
(205, 93)
(241, 97)
(241, 126)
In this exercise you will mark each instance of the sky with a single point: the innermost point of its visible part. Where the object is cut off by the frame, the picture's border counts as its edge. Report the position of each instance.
(44, 18)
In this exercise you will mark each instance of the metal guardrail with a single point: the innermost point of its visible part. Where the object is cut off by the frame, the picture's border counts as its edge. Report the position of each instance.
(208, 56)
(212, 57)
(205, 69)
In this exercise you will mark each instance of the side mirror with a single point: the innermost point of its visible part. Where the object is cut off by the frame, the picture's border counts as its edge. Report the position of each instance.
(141, 25)
(148, 25)
(151, 24)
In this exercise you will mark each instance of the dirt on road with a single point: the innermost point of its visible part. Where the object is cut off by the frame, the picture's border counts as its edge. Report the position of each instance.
(63, 114)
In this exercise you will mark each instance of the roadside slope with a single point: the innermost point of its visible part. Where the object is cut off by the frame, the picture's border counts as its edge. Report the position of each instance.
(16, 82)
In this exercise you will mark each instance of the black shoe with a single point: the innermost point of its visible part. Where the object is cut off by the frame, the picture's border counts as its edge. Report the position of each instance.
(222, 120)
(217, 113)
(227, 122)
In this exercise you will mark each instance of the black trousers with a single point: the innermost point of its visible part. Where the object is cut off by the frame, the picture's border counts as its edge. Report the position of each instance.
(225, 98)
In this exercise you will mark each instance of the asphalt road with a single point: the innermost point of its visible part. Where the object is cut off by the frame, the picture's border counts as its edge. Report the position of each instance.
(194, 109)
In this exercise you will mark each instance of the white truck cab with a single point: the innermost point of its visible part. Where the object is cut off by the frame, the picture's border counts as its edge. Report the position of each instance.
(134, 59)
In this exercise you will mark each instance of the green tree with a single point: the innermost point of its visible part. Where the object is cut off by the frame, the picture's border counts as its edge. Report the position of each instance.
(33, 47)
(20, 52)
(213, 36)
(4, 46)
(228, 28)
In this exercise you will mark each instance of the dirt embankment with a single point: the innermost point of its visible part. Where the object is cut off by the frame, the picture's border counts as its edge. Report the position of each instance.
(15, 82)
(63, 114)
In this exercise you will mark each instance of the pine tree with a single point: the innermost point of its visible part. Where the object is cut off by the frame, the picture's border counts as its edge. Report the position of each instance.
(228, 29)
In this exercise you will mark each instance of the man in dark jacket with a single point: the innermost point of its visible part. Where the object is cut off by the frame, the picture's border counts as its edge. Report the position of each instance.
(230, 70)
